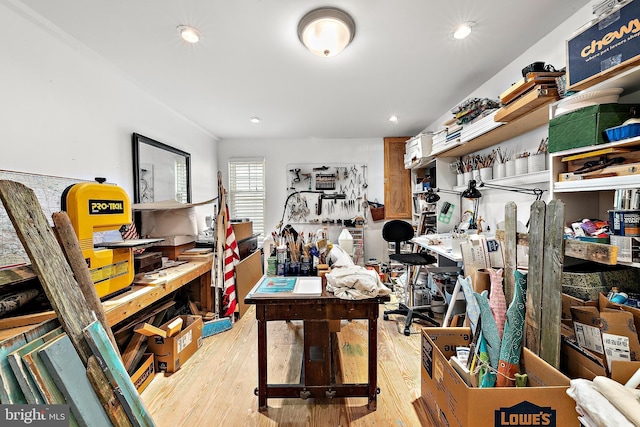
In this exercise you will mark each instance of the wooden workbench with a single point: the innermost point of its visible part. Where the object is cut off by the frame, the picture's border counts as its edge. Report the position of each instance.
(144, 292)
(318, 370)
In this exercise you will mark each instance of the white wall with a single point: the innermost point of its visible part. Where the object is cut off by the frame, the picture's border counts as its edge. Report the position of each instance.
(552, 50)
(65, 112)
(280, 153)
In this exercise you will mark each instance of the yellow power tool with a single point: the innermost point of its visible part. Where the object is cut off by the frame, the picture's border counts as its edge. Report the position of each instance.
(98, 207)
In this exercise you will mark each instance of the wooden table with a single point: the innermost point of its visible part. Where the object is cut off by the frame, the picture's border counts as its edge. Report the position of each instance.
(318, 363)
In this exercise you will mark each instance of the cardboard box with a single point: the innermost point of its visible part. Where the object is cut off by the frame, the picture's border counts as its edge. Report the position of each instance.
(142, 377)
(242, 230)
(452, 403)
(610, 333)
(569, 301)
(585, 126)
(172, 352)
(606, 48)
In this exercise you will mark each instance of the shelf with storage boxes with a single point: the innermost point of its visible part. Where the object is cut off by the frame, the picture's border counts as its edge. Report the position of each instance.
(425, 180)
(591, 174)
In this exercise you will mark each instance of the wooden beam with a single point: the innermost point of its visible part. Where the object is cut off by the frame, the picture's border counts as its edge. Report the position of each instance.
(12, 276)
(67, 371)
(552, 283)
(48, 261)
(595, 252)
(534, 277)
(71, 247)
(117, 375)
(106, 394)
(510, 249)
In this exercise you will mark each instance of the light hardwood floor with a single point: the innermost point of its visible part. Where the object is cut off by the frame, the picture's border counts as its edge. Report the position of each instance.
(215, 387)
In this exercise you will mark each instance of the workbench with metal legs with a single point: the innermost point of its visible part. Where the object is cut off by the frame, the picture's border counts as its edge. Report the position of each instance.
(318, 364)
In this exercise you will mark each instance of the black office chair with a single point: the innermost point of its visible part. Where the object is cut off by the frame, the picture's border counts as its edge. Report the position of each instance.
(398, 231)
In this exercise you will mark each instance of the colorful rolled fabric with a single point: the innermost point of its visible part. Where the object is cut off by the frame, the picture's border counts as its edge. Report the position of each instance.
(511, 346)
(497, 301)
(489, 329)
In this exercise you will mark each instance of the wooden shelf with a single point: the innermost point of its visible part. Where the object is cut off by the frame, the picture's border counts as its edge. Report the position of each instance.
(530, 121)
(588, 251)
(594, 184)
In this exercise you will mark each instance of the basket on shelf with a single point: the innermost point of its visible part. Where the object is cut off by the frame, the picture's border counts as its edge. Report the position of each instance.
(377, 210)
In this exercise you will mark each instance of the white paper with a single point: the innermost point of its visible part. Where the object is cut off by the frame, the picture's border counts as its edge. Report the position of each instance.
(588, 337)
(616, 347)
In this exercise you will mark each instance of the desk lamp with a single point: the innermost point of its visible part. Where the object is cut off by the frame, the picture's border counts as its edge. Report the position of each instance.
(473, 194)
(533, 191)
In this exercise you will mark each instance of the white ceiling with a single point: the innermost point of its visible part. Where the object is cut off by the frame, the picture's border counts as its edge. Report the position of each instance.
(251, 63)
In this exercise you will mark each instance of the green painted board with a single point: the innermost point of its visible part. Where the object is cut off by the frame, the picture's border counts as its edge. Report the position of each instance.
(10, 391)
(69, 374)
(26, 382)
(41, 377)
(43, 380)
(117, 375)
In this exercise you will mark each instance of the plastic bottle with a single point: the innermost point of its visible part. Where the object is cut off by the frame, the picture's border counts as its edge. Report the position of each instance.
(345, 240)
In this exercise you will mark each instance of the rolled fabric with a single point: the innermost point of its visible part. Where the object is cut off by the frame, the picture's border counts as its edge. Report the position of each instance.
(489, 329)
(473, 311)
(511, 346)
(623, 398)
(497, 300)
(593, 405)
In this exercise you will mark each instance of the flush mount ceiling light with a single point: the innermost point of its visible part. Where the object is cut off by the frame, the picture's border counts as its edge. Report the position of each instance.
(189, 34)
(326, 31)
(393, 119)
(255, 119)
(463, 30)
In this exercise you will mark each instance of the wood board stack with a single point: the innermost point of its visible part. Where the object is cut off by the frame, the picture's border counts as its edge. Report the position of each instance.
(529, 93)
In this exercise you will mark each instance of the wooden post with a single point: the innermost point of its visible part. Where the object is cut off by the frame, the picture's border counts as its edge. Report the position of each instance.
(552, 279)
(510, 248)
(534, 277)
(71, 247)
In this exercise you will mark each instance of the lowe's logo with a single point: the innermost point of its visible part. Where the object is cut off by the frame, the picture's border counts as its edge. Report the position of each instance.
(525, 414)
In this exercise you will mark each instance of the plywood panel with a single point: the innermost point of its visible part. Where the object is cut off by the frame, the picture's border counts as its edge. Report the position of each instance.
(397, 180)
(248, 272)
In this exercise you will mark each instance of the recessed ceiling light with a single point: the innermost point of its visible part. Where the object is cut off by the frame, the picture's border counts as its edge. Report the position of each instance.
(189, 34)
(463, 30)
(393, 119)
(255, 119)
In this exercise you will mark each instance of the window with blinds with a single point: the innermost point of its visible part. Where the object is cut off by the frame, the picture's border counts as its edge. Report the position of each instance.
(182, 183)
(247, 192)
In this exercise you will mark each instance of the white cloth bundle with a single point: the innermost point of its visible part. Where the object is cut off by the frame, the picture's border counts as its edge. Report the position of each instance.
(355, 282)
(604, 402)
(623, 398)
(595, 409)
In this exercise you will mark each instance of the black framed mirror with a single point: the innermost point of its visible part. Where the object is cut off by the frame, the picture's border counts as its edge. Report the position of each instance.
(160, 172)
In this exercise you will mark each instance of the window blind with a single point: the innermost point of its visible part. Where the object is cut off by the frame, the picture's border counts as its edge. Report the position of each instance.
(247, 192)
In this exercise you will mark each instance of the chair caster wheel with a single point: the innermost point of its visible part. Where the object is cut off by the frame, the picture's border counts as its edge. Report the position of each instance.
(407, 331)
(385, 316)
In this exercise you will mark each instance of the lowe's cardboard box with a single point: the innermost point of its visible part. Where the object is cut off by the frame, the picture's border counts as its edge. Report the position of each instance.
(451, 402)
(171, 353)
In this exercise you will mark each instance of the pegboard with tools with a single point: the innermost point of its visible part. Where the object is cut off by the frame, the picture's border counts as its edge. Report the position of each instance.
(326, 192)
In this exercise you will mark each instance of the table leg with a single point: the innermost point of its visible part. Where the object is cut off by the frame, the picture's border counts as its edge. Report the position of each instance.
(373, 357)
(262, 358)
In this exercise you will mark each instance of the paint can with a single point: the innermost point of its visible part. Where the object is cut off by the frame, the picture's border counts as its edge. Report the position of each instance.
(624, 222)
